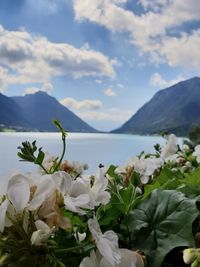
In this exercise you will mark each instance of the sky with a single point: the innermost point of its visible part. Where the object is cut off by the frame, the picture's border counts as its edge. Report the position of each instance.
(102, 59)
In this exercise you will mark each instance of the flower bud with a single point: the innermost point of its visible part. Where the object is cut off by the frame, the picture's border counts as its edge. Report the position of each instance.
(186, 148)
(190, 255)
(188, 164)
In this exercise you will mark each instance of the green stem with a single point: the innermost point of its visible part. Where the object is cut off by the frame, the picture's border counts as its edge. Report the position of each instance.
(67, 250)
(63, 153)
(128, 230)
(45, 170)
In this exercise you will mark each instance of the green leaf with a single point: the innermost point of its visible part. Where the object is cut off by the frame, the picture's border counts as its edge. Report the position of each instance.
(125, 199)
(162, 222)
(191, 184)
(128, 195)
(193, 178)
(111, 170)
(165, 180)
(111, 173)
(108, 215)
(135, 179)
(40, 157)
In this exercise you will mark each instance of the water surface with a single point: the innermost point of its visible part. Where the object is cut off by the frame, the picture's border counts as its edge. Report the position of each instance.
(92, 149)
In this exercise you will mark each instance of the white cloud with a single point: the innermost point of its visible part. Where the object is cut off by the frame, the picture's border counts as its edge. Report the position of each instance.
(87, 104)
(158, 81)
(116, 62)
(93, 110)
(150, 31)
(26, 58)
(110, 92)
(4, 79)
(31, 90)
(111, 114)
(155, 5)
(98, 81)
(46, 87)
(183, 51)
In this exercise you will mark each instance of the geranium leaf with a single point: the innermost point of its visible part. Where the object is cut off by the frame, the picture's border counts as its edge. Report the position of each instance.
(162, 222)
(193, 178)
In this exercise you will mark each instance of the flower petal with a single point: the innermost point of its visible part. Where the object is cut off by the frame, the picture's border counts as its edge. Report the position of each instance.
(91, 261)
(108, 247)
(3, 209)
(42, 233)
(44, 189)
(106, 243)
(18, 191)
(63, 181)
(76, 203)
(128, 259)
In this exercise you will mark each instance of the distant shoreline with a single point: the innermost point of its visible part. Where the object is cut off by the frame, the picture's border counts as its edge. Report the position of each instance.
(22, 130)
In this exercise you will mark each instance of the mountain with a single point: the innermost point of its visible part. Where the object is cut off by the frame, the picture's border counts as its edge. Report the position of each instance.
(40, 108)
(11, 113)
(175, 109)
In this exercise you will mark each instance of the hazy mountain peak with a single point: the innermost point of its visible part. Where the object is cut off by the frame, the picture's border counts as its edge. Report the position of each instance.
(36, 111)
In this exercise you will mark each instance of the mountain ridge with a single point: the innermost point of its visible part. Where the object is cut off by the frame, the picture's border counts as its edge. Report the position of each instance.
(174, 109)
(36, 111)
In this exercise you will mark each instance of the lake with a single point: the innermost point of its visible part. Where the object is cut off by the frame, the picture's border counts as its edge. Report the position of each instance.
(92, 149)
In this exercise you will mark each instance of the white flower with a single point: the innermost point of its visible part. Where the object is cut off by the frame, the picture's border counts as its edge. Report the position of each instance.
(62, 181)
(44, 186)
(121, 169)
(18, 192)
(15, 200)
(98, 193)
(186, 148)
(173, 158)
(50, 211)
(79, 236)
(196, 153)
(92, 261)
(74, 168)
(75, 193)
(106, 243)
(78, 203)
(42, 234)
(146, 167)
(128, 259)
(170, 148)
(79, 167)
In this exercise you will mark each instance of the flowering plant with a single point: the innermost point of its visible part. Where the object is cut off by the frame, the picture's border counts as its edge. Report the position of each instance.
(141, 214)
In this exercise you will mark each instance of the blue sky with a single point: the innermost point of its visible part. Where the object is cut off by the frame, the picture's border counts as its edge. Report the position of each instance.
(103, 59)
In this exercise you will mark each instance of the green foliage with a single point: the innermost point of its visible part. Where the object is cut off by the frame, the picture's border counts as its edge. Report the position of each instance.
(162, 222)
(28, 152)
(191, 184)
(167, 179)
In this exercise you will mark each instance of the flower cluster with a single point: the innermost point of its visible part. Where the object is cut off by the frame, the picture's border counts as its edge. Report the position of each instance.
(61, 216)
(32, 208)
(148, 166)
